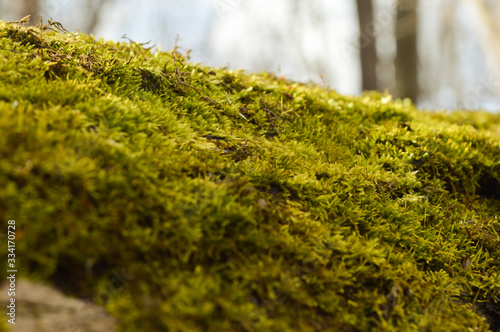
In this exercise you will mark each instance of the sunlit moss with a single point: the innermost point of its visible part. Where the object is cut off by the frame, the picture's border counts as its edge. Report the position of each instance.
(228, 201)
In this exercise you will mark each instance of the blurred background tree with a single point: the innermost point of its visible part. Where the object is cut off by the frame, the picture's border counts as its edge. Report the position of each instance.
(406, 51)
(367, 42)
(31, 7)
(439, 53)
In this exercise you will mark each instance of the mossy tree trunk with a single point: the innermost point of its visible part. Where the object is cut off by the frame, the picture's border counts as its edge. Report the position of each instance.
(368, 53)
(406, 58)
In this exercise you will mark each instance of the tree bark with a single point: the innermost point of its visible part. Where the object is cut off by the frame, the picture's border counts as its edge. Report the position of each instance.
(367, 51)
(406, 60)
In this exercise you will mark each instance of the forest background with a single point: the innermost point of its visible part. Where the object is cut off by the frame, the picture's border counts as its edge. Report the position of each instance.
(442, 54)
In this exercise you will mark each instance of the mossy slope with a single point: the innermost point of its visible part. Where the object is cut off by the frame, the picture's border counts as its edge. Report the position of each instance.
(227, 201)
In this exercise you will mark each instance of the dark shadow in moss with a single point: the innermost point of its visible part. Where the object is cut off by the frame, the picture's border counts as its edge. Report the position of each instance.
(27, 36)
(488, 309)
(150, 81)
(75, 279)
(491, 311)
(489, 187)
(232, 84)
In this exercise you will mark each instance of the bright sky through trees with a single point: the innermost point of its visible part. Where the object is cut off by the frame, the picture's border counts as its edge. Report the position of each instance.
(459, 60)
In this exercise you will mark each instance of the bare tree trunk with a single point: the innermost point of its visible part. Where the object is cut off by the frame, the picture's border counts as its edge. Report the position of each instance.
(31, 7)
(406, 59)
(368, 53)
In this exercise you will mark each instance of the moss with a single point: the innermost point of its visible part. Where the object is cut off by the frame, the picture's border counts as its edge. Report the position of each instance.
(188, 198)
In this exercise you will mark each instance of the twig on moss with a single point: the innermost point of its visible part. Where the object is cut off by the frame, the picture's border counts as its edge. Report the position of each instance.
(24, 20)
(90, 51)
(50, 24)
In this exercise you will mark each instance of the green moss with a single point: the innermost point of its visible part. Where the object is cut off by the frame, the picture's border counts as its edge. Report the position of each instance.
(189, 198)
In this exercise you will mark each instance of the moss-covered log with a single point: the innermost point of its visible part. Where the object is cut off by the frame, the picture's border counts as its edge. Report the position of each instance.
(187, 198)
